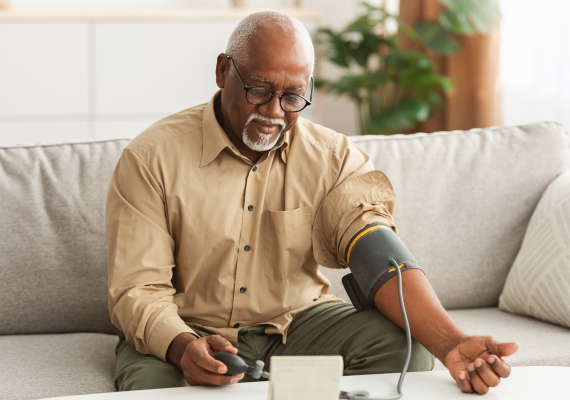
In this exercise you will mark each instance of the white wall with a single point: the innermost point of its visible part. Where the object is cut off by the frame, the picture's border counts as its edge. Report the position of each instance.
(336, 113)
(79, 79)
(535, 53)
(535, 61)
(130, 4)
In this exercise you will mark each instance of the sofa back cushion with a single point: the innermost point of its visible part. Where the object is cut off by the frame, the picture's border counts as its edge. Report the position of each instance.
(53, 251)
(464, 200)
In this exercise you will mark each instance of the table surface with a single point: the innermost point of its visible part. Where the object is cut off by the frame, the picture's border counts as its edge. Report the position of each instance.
(524, 383)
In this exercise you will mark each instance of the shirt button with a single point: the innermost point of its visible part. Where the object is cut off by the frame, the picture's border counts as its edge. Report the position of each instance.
(255, 168)
(247, 248)
(250, 208)
(242, 289)
(236, 325)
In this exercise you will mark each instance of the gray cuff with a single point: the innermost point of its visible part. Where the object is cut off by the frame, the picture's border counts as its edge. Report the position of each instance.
(369, 254)
(386, 276)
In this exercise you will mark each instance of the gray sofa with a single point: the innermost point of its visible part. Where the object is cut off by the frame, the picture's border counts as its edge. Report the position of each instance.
(464, 201)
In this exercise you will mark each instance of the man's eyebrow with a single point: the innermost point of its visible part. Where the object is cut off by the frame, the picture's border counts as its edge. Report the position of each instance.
(269, 81)
(261, 79)
(298, 88)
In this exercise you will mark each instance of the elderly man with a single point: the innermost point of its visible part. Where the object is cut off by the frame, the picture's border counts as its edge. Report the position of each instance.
(219, 216)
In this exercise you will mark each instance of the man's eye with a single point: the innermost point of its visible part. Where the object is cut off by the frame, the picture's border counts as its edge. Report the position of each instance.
(292, 99)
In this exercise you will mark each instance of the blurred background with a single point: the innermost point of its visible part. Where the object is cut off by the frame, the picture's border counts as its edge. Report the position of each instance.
(86, 69)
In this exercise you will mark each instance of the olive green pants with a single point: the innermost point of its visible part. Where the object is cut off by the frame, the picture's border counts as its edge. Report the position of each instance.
(368, 342)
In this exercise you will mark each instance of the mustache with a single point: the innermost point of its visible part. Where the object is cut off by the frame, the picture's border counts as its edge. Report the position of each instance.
(274, 121)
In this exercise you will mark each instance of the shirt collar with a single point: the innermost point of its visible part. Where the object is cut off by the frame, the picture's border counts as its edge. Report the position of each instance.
(214, 139)
(285, 144)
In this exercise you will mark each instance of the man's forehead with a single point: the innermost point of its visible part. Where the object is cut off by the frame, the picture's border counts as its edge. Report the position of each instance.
(277, 47)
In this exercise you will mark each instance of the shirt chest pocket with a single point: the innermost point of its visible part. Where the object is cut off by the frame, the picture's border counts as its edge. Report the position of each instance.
(287, 241)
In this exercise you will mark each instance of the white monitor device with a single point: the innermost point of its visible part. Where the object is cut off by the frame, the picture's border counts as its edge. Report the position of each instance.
(305, 377)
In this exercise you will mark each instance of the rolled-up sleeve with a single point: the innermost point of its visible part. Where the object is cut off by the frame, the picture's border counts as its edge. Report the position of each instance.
(360, 196)
(141, 259)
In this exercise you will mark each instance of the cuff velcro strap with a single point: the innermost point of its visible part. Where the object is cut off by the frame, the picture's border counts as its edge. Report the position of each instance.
(368, 255)
(358, 299)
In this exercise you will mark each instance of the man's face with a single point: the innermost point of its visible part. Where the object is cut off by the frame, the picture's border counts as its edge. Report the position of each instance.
(279, 62)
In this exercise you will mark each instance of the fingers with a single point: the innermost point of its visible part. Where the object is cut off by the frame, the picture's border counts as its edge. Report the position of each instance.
(199, 376)
(486, 373)
(500, 367)
(478, 385)
(218, 343)
(202, 358)
(501, 349)
(508, 349)
(488, 365)
(200, 368)
(482, 376)
(463, 382)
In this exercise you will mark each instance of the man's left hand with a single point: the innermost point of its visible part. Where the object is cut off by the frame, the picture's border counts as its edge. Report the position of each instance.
(477, 363)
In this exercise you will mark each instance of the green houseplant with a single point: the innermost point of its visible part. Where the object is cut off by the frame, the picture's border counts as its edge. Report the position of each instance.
(395, 88)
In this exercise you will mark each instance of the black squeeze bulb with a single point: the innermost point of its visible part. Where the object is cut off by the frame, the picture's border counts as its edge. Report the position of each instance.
(236, 365)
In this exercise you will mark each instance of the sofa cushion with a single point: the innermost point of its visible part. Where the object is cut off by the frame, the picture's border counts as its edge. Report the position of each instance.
(40, 366)
(53, 251)
(541, 343)
(538, 284)
(465, 200)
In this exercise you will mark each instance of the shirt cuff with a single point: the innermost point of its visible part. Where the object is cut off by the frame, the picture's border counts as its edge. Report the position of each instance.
(164, 334)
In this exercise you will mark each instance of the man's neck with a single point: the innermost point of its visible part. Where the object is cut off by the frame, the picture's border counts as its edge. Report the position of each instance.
(252, 155)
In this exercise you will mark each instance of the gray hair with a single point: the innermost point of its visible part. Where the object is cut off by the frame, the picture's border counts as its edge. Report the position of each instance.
(239, 42)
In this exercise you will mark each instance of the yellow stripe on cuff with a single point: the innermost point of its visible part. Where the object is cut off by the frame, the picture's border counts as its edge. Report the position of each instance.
(393, 269)
(362, 234)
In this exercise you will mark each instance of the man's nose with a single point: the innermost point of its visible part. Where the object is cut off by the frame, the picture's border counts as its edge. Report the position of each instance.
(272, 109)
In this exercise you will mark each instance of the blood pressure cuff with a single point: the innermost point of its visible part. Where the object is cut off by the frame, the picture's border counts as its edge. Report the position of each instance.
(368, 255)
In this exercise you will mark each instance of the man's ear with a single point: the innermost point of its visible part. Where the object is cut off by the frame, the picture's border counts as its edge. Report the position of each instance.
(222, 69)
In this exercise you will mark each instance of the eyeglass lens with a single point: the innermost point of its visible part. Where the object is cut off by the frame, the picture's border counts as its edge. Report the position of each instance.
(260, 95)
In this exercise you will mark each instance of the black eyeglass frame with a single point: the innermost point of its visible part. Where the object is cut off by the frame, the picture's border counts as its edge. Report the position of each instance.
(247, 88)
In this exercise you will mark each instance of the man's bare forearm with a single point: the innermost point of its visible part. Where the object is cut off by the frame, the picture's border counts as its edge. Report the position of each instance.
(429, 323)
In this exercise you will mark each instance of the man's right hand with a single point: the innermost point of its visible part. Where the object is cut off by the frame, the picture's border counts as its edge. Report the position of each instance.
(194, 357)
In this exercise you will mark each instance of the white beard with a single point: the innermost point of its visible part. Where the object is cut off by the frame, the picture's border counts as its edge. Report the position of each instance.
(265, 142)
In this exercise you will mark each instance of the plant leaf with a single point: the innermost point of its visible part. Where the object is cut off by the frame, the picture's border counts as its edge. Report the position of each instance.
(416, 109)
(436, 38)
(406, 29)
(469, 17)
(481, 26)
(370, 6)
(337, 50)
(353, 83)
(400, 116)
(362, 24)
(323, 84)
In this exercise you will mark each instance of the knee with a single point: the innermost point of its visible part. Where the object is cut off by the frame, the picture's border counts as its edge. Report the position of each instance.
(142, 376)
(420, 358)
(383, 349)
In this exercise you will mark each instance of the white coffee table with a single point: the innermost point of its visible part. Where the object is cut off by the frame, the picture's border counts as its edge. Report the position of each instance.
(532, 383)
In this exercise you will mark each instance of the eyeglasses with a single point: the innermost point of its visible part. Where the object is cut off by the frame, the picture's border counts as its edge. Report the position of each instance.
(290, 102)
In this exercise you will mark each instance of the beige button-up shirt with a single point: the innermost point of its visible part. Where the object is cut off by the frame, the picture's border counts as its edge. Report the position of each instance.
(198, 236)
